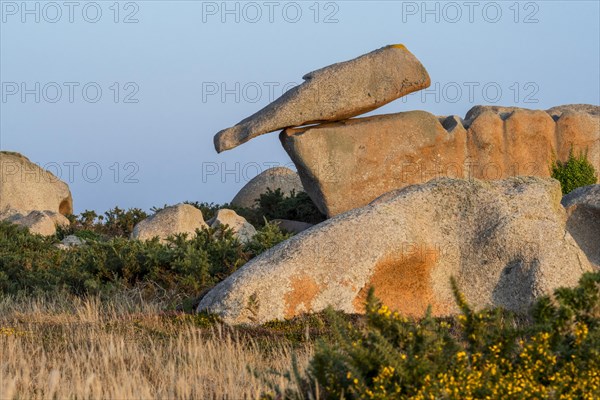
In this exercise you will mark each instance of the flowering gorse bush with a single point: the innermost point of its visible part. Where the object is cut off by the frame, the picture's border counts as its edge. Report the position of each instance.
(553, 352)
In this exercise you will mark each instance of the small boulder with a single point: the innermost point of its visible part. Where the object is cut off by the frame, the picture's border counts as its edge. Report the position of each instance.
(273, 178)
(38, 222)
(180, 218)
(25, 187)
(504, 242)
(241, 228)
(583, 223)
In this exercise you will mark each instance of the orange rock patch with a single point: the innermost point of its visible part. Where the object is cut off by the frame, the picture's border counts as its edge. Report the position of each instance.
(304, 290)
(403, 283)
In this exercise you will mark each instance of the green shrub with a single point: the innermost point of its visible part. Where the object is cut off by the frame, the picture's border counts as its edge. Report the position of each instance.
(295, 206)
(574, 173)
(183, 265)
(270, 205)
(114, 223)
(553, 353)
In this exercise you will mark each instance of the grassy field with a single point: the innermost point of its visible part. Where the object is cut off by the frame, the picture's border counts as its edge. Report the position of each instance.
(126, 349)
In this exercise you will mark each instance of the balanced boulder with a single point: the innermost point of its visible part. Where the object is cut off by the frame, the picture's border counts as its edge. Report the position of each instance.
(177, 219)
(24, 187)
(242, 229)
(281, 178)
(37, 222)
(333, 93)
(504, 242)
(583, 209)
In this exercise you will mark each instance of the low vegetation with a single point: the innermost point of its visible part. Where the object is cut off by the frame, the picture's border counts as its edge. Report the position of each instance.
(551, 353)
(69, 347)
(180, 269)
(114, 319)
(576, 172)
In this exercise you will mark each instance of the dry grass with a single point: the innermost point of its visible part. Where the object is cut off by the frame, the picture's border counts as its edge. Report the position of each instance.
(128, 349)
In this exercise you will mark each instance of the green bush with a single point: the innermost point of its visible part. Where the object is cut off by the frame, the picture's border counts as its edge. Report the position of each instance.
(114, 223)
(183, 265)
(491, 354)
(269, 206)
(295, 206)
(574, 173)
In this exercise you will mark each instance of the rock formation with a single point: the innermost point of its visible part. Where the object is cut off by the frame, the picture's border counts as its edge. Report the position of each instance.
(504, 241)
(180, 218)
(37, 222)
(26, 187)
(242, 229)
(583, 210)
(347, 164)
(273, 178)
(334, 93)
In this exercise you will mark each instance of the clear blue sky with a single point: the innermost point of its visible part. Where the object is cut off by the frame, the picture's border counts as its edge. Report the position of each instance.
(179, 55)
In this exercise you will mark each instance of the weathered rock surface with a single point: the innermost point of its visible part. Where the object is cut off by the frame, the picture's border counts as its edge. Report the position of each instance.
(476, 111)
(25, 187)
(520, 143)
(583, 223)
(290, 226)
(333, 93)
(38, 222)
(241, 228)
(504, 241)
(586, 108)
(273, 178)
(579, 131)
(180, 218)
(347, 164)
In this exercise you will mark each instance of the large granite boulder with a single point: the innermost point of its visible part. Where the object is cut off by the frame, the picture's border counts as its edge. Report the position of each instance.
(281, 178)
(334, 93)
(242, 229)
(504, 242)
(583, 210)
(177, 219)
(347, 164)
(24, 187)
(37, 222)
